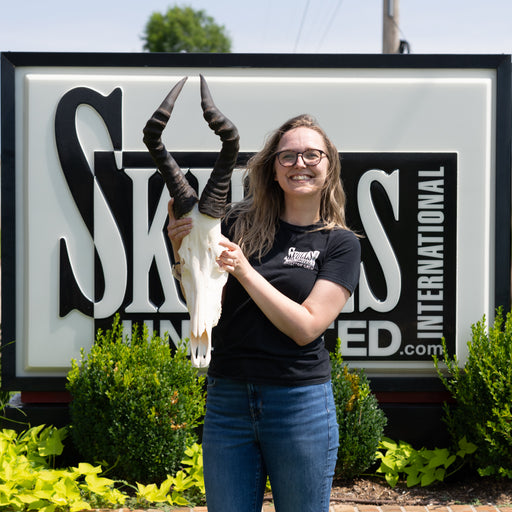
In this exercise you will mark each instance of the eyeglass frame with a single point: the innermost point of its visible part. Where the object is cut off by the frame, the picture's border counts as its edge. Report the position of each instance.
(301, 153)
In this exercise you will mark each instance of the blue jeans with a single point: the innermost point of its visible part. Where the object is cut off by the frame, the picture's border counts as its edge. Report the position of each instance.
(251, 431)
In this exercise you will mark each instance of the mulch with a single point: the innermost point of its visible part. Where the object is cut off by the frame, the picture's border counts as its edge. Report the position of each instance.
(470, 490)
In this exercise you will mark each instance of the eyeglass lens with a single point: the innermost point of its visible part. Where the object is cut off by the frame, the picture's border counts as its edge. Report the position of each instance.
(289, 158)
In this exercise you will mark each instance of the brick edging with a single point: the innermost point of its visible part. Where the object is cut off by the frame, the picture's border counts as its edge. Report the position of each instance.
(360, 508)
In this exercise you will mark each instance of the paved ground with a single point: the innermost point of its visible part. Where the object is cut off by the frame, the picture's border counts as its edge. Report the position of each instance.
(392, 508)
(371, 508)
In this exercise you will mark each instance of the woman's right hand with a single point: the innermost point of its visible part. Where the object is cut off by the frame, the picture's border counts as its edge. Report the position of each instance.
(177, 229)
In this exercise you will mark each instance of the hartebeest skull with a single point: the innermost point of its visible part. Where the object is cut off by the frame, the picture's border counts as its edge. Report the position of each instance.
(201, 277)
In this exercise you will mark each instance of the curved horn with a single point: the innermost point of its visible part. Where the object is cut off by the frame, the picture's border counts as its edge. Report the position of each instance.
(215, 194)
(184, 195)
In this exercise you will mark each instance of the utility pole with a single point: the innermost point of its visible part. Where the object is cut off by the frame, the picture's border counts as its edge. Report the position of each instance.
(390, 24)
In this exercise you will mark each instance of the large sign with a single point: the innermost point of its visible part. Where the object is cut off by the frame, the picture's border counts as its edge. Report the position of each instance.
(424, 143)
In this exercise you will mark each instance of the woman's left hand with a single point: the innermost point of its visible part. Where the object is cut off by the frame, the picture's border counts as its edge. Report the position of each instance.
(233, 260)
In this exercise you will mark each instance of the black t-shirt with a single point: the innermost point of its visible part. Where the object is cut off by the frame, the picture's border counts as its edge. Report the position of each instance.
(246, 345)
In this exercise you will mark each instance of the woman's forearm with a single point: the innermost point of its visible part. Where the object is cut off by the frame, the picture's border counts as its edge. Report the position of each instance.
(301, 322)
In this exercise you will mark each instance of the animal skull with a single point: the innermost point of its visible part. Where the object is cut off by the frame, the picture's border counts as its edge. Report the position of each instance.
(202, 282)
(201, 277)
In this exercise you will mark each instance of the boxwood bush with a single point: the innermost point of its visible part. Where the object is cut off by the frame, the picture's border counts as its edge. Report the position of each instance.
(361, 421)
(135, 405)
(482, 389)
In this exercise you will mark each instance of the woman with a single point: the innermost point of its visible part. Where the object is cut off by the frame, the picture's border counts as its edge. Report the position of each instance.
(293, 265)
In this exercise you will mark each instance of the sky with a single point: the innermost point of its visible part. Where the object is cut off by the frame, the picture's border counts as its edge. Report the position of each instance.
(262, 26)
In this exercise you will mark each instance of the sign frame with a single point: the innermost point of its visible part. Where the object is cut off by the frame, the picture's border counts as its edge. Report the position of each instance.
(499, 65)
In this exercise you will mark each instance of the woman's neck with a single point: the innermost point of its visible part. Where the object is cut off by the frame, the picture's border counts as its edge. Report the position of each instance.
(300, 214)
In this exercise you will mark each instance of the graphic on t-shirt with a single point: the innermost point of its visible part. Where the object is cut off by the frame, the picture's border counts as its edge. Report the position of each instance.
(305, 259)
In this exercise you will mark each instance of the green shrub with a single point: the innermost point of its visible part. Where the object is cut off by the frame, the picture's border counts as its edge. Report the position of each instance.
(483, 393)
(361, 421)
(135, 405)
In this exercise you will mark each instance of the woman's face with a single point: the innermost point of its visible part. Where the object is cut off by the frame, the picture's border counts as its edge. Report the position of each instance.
(301, 179)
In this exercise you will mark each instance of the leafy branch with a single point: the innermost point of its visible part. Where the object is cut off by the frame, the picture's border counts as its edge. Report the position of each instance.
(401, 461)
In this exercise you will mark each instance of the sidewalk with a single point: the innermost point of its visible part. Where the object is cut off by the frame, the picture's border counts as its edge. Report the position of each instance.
(392, 508)
(366, 508)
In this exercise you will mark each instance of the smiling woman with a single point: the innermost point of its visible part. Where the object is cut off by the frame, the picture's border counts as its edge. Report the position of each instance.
(257, 216)
(292, 266)
(301, 173)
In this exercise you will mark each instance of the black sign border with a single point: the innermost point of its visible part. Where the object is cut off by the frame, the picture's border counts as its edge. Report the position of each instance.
(10, 60)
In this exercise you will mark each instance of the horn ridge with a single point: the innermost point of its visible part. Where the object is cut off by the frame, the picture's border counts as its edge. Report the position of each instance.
(215, 194)
(184, 195)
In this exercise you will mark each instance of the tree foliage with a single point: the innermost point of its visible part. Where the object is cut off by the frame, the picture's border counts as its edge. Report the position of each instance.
(183, 29)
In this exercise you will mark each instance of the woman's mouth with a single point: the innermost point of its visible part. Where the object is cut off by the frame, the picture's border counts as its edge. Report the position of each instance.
(300, 177)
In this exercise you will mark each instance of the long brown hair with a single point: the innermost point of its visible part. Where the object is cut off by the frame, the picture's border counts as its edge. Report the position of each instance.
(257, 215)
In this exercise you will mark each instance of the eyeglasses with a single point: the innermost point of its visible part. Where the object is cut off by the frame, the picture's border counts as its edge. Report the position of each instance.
(288, 158)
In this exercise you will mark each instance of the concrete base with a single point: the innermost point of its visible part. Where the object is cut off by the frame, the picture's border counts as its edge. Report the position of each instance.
(421, 425)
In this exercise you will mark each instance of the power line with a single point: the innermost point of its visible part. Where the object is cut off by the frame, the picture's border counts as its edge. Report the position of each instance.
(397, 26)
(301, 25)
(391, 42)
(404, 46)
(331, 19)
